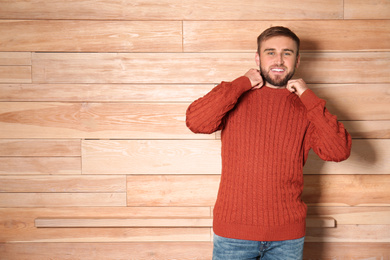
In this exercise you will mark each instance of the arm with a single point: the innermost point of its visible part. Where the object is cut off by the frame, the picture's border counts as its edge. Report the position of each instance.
(206, 114)
(326, 136)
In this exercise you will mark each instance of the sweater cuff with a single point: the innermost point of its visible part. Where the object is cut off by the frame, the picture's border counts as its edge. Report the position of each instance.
(310, 100)
(242, 84)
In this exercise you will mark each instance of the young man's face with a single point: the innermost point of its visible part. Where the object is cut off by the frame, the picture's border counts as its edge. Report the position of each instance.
(278, 60)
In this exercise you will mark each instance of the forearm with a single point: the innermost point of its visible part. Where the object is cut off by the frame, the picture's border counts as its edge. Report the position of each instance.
(327, 136)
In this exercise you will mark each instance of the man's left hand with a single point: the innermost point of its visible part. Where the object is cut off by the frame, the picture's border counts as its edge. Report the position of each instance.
(297, 86)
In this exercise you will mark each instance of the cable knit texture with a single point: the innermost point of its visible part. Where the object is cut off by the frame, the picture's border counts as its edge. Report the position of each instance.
(266, 136)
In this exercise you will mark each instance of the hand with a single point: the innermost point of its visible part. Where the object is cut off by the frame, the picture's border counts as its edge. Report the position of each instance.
(297, 86)
(255, 78)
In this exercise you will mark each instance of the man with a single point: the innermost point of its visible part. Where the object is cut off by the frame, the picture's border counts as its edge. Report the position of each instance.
(269, 122)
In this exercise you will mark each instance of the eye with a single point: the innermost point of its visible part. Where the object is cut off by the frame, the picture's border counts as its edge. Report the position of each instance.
(271, 53)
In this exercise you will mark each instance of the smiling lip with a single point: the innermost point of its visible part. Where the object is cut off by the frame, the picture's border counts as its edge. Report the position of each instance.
(277, 70)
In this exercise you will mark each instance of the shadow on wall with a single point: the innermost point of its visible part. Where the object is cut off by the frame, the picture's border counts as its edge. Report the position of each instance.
(363, 156)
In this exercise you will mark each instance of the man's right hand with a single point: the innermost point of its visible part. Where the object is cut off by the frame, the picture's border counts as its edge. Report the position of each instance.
(255, 78)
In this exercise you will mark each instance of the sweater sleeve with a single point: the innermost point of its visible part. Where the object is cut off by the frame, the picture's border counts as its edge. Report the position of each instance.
(326, 136)
(205, 115)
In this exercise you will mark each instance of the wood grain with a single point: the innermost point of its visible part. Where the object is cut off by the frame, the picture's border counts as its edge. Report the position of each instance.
(105, 251)
(39, 165)
(195, 190)
(123, 222)
(83, 235)
(360, 9)
(205, 36)
(367, 156)
(103, 92)
(353, 215)
(165, 190)
(151, 157)
(350, 233)
(203, 157)
(171, 250)
(94, 120)
(28, 215)
(336, 250)
(171, 10)
(40, 147)
(15, 74)
(324, 222)
(356, 101)
(331, 190)
(90, 36)
(200, 67)
(69, 199)
(52, 183)
(368, 129)
(15, 58)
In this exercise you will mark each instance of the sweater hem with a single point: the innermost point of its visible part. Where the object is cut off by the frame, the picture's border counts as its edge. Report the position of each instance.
(260, 233)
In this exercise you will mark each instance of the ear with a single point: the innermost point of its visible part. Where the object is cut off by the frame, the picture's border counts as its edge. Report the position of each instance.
(257, 58)
(298, 61)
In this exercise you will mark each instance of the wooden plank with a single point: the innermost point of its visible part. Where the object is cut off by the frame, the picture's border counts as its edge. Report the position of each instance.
(15, 74)
(355, 101)
(171, 10)
(367, 35)
(40, 147)
(10, 200)
(353, 215)
(94, 120)
(91, 235)
(324, 222)
(338, 67)
(204, 157)
(151, 157)
(124, 222)
(103, 92)
(368, 129)
(358, 251)
(40, 165)
(362, 190)
(27, 216)
(345, 100)
(15, 58)
(201, 190)
(367, 156)
(174, 190)
(350, 233)
(174, 250)
(104, 251)
(52, 183)
(360, 9)
(91, 36)
(205, 68)
(153, 120)
(17, 224)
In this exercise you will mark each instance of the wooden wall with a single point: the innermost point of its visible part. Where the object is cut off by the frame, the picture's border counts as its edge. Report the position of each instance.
(96, 161)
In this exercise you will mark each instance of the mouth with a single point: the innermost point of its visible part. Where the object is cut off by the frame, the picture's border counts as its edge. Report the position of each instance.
(278, 70)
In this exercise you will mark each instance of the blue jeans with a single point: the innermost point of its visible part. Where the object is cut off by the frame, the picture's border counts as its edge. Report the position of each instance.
(237, 249)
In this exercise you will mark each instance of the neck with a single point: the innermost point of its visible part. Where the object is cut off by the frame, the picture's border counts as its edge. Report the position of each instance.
(267, 84)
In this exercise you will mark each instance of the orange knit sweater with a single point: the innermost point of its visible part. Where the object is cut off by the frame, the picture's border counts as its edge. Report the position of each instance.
(266, 136)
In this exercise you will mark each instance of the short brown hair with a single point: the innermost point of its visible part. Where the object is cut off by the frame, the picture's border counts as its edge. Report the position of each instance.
(277, 31)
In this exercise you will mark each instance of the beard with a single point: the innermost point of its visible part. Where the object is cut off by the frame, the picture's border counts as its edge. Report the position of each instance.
(277, 81)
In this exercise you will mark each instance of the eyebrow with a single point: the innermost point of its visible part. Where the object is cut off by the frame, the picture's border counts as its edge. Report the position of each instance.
(273, 49)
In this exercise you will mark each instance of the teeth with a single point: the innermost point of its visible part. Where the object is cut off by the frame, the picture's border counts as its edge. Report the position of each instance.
(278, 70)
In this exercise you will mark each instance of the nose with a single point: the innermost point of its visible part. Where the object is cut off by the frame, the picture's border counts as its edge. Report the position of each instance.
(279, 59)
